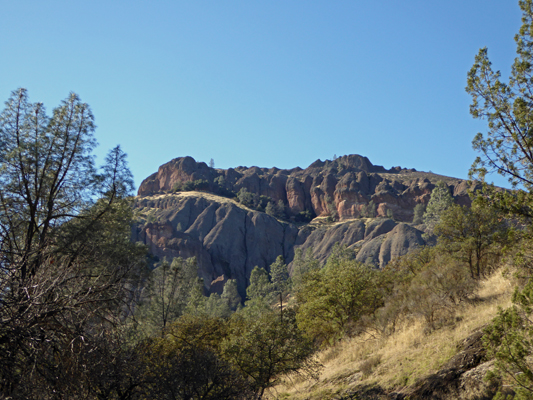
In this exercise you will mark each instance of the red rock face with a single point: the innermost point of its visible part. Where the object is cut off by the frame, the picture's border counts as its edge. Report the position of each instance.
(345, 185)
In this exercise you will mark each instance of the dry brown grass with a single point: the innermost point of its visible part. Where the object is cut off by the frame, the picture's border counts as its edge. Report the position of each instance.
(402, 358)
(406, 176)
(206, 195)
(143, 213)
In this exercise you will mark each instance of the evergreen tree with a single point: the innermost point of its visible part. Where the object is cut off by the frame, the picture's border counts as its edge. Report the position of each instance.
(280, 279)
(440, 201)
(266, 347)
(280, 210)
(230, 294)
(369, 210)
(260, 286)
(301, 265)
(507, 107)
(474, 235)
(168, 292)
(509, 339)
(279, 274)
(270, 209)
(332, 300)
(419, 211)
(245, 197)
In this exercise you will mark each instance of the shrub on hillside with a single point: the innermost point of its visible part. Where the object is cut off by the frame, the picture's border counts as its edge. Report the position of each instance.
(331, 301)
(428, 284)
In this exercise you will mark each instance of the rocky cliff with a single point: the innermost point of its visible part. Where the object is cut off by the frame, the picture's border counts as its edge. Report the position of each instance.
(345, 185)
(230, 239)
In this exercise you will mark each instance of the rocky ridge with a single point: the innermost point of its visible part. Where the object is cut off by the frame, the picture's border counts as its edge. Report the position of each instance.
(229, 239)
(348, 183)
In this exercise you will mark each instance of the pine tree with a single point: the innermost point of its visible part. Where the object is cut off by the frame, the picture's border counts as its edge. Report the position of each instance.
(260, 286)
(440, 201)
(230, 294)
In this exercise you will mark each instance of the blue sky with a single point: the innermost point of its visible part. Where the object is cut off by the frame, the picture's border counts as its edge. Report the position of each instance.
(266, 83)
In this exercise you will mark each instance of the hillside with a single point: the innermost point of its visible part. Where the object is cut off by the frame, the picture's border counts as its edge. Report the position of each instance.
(412, 363)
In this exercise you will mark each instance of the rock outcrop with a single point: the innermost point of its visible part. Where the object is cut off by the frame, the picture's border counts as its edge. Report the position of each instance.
(345, 185)
(229, 239)
(375, 241)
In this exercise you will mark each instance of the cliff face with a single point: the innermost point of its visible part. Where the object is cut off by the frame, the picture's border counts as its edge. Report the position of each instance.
(229, 239)
(346, 184)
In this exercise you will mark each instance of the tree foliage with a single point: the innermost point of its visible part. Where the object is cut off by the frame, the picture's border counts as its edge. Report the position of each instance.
(260, 286)
(426, 283)
(302, 263)
(266, 347)
(332, 300)
(474, 235)
(167, 293)
(509, 340)
(66, 261)
(279, 275)
(418, 216)
(440, 201)
(369, 210)
(186, 363)
(506, 148)
(230, 294)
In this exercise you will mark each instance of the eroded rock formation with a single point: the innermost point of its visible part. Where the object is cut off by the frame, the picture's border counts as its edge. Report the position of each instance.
(229, 239)
(346, 184)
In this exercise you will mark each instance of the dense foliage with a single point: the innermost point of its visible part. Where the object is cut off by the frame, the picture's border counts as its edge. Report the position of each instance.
(332, 300)
(66, 261)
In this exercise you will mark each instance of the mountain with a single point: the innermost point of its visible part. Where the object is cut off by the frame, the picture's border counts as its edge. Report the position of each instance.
(189, 209)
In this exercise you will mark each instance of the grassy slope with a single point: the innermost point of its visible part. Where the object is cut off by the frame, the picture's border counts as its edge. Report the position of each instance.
(401, 359)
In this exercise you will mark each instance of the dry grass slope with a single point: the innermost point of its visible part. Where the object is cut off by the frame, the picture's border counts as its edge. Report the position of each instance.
(401, 359)
(143, 214)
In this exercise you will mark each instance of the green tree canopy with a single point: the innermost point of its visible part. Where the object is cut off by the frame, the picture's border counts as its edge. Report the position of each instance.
(440, 200)
(506, 148)
(260, 286)
(167, 293)
(186, 363)
(509, 339)
(230, 294)
(279, 275)
(332, 300)
(268, 346)
(474, 235)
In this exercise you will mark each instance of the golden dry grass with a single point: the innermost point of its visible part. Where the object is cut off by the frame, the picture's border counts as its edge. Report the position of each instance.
(406, 176)
(206, 195)
(400, 359)
(143, 213)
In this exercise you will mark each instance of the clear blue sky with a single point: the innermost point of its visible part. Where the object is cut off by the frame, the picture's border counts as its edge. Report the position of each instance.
(267, 83)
